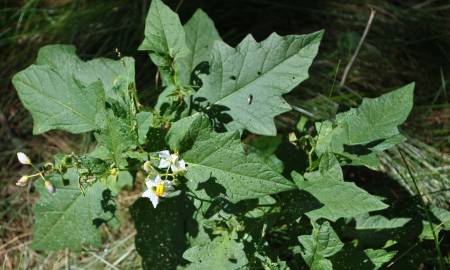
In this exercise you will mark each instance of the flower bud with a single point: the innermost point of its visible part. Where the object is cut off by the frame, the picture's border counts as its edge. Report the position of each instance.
(292, 137)
(147, 166)
(24, 159)
(113, 172)
(49, 186)
(23, 181)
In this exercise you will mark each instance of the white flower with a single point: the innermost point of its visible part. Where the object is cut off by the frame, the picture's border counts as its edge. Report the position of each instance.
(24, 159)
(157, 189)
(23, 181)
(165, 159)
(177, 165)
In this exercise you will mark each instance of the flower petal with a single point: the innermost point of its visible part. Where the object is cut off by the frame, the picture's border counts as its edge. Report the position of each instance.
(157, 180)
(168, 185)
(152, 196)
(173, 158)
(164, 163)
(178, 167)
(154, 199)
(182, 164)
(146, 193)
(150, 183)
(165, 154)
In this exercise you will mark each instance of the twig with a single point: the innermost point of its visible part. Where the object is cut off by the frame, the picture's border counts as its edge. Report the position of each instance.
(303, 111)
(423, 4)
(104, 261)
(402, 255)
(179, 5)
(14, 240)
(124, 256)
(358, 48)
(67, 261)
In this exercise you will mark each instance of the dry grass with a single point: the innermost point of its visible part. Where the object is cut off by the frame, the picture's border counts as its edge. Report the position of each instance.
(118, 252)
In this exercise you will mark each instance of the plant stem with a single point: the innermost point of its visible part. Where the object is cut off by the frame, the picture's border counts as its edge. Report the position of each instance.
(427, 211)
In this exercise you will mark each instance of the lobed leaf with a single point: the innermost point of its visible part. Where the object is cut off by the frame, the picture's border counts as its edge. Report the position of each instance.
(219, 161)
(249, 80)
(63, 92)
(375, 121)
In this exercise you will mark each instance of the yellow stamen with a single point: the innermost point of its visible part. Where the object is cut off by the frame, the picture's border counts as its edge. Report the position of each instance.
(160, 190)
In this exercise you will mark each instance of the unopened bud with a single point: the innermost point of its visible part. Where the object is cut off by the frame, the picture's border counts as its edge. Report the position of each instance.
(292, 137)
(48, 166)
(24, 159)
(49, 186)
(147, 166)
(23, 181)
(113, 172)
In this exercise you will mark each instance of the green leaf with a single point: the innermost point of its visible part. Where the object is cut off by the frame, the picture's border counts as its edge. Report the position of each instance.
(56, 102)
(329, 169)
(379, 256)
(164, 37)
(388, 143)
(427, 230)
(351, 258)
(270, 264)
(218, 160)
(118, 182)
(112, 73)
(144, 121)
(200, 37)
(442, 215)
(321, 244)
(116, 136)
(264, 147)
(182, 134)
(222, 253)
(64, 92)
(337, 199)
(262, 72)
(369, 160)
(65, 219)
(378, 222)
(375, 119)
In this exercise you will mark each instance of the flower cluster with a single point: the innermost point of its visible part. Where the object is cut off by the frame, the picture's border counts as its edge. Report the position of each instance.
(25, 179)
(157, 188)
(177, 165)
